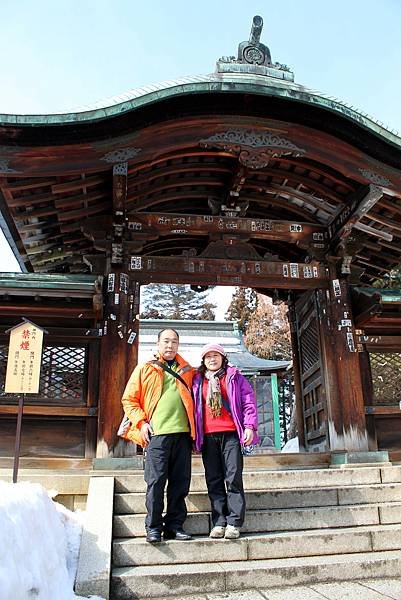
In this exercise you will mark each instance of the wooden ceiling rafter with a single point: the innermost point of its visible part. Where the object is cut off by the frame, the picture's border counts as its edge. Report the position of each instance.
(396, 248)
(40, 225)
(70, 201)
(394, 226)
(31, 199)
(287, 209)
(308, 182)
(308, 201)
(392, 207)
(84, 181)
(175, 170)
(373, 252)
(253, 178)
(193, 152)
(318, 168)
(181, 179)
(378, 270)
(15, 184)
(164, 185)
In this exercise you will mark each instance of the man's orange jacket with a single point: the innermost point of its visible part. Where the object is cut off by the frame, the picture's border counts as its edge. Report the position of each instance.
(143, 391)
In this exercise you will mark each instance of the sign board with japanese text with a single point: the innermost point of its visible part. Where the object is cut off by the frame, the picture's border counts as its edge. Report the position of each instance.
(24, 359)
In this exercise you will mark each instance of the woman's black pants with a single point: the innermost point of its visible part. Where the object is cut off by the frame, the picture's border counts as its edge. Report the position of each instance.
(223, 462)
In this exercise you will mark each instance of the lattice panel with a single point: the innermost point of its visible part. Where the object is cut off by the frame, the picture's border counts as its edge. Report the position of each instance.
(62, 379)
(309, 346)
(386, 377)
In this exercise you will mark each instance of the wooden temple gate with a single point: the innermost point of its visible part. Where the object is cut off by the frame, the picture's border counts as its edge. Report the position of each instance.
(240, 178)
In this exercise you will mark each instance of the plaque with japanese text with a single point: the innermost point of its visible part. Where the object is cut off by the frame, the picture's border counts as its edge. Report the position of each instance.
(24, 359)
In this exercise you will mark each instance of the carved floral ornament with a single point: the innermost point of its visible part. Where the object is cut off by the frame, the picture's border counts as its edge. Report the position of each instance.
(253, 148)
(121, 156)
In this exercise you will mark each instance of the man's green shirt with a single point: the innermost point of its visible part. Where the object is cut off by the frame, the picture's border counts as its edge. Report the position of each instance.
(170, 415)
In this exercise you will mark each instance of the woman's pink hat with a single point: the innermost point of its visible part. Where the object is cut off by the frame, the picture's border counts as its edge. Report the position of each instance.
(213, 348)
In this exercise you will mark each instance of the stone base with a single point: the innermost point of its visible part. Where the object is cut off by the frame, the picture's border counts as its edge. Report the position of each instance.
(112, 464)
(341, 460)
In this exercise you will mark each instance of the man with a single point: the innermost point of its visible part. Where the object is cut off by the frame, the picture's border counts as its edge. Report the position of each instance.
(158, 402)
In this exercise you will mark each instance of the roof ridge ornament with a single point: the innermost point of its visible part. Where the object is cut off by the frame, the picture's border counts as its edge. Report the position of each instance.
(254, 57)
(252, 51)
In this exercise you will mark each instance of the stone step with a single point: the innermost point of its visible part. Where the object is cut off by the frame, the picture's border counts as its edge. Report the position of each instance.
(178, 580)
(134, 503)
(316, 542)
(264, 479)
(278, 519)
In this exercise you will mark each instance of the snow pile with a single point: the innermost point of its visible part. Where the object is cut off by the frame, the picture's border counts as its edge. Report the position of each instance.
(291, 446)
(39, 545)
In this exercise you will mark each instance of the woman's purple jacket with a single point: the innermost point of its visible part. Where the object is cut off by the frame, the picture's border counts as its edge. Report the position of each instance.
(241, 398)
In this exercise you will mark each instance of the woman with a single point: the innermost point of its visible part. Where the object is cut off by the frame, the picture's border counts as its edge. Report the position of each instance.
(226, 420)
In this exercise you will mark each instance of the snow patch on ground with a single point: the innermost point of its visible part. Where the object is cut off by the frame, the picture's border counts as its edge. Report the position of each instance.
(291, 446)
(39, 545)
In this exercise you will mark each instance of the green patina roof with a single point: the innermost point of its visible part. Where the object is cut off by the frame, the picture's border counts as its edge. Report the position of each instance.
(78, 285)
(386, 295)
(214, 83)
(390, 295)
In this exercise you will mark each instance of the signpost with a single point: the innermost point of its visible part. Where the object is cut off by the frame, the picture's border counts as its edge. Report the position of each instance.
(23, 371)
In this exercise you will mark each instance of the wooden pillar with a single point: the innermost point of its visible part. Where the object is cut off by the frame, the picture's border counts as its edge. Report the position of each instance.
(118, 357)
(342, 369)
(292, 318)
(119, 345)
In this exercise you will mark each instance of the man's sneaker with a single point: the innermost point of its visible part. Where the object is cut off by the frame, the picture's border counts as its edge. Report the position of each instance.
(218, 531)
(232, 533)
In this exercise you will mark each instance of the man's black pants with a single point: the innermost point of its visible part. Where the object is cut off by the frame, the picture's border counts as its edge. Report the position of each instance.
(168, 458)
(223, 462)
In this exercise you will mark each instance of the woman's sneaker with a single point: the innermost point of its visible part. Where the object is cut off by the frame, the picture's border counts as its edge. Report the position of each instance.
(232, 533)
(218, 531)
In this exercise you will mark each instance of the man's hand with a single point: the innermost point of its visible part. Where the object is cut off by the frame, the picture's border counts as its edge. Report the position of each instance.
(248, 436)
(146, 433)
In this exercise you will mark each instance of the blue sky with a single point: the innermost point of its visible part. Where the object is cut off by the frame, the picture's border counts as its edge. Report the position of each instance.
(62, 54)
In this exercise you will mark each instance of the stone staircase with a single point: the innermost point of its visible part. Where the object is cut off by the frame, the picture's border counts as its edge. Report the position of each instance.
(302, 526)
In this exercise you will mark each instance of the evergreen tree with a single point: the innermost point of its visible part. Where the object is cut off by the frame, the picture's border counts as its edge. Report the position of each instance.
(170, 301)
(243, 304)
(207, 313)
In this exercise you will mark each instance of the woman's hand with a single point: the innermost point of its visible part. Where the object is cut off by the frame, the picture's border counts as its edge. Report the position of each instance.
(248, 436)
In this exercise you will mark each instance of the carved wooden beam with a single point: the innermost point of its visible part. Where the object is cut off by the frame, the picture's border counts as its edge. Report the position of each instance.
(347, 232)
(358, 205)
(237, 182)
(208, 271)
(120, 174)
(179, 224)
